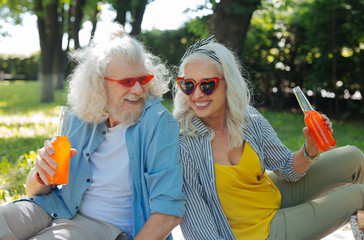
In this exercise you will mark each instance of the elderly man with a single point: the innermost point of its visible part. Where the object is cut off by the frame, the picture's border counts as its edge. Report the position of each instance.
(125, 179)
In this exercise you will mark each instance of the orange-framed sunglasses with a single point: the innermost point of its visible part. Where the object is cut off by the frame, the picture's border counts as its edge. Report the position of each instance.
(207, 86)
(130, 82)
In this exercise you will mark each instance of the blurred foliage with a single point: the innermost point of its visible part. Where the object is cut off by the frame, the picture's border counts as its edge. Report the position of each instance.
(170, 45)
(317, 44)
(25, 68)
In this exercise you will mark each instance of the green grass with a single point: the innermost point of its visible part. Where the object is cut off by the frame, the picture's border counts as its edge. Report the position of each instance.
(23, 97)
(25, 123)
(289, 129)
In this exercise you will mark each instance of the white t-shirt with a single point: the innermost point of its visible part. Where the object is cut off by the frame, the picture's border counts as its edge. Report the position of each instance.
(109, 197)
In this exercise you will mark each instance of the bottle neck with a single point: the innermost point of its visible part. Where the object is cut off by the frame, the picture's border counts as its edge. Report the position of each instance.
(62, 128)
(302, 100)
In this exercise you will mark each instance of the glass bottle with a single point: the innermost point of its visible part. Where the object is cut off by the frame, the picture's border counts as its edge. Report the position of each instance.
(62, 149)
(315, 123)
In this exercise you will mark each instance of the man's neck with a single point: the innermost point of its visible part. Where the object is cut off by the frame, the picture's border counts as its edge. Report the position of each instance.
(111, 122)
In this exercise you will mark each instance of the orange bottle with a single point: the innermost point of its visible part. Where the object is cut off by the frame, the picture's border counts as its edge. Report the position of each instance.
(315, 123)
(62, 150)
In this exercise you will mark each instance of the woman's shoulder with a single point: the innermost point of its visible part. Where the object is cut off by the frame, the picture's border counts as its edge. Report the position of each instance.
(193, 144)
(186, 139)
(252, 115)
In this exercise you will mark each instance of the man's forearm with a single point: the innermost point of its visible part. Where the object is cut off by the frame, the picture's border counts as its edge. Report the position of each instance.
(32, 187)
(158, 227)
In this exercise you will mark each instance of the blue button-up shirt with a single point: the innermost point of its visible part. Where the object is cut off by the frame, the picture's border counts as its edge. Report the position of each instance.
(153, 149)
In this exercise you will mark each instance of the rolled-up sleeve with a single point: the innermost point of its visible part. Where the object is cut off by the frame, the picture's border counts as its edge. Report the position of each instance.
(163, 173)
(277, 157)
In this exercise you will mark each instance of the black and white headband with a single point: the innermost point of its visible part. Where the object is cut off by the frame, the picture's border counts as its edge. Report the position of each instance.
(196, 48)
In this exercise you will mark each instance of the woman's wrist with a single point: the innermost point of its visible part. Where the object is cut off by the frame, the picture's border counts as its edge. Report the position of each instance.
(307, 156)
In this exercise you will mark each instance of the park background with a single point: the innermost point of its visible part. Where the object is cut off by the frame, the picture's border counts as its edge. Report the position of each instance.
(315, 44)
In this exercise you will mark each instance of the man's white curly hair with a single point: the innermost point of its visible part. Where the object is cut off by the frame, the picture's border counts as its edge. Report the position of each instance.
(86, 91)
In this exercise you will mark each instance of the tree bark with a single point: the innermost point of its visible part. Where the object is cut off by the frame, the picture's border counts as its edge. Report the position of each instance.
(121, 7)
(138, 17)
(94, 23)
(77, 13)
(48, 29)
(230, 22)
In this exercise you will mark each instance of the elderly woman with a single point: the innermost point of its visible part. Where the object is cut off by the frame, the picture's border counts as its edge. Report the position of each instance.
(227, 146)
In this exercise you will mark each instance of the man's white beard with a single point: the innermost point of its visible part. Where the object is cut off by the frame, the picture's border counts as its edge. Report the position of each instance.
(123, 115)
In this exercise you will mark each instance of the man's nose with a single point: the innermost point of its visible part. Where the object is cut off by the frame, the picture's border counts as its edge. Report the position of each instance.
(137, 88)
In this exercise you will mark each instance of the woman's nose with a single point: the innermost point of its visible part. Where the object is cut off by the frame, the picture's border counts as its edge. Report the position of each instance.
(197, 93)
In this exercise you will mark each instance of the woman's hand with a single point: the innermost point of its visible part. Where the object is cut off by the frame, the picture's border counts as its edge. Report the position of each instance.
(311, 146)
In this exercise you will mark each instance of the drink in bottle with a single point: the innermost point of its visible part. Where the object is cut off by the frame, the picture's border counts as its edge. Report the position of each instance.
(315, 123)
(62, 149)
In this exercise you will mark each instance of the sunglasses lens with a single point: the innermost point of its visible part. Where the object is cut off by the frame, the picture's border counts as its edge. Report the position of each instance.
(129, 82)
(145, 79)
(187, 86)
(208, 87)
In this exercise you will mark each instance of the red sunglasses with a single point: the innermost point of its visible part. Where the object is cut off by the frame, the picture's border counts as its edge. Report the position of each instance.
(207, 86)
(130, 82)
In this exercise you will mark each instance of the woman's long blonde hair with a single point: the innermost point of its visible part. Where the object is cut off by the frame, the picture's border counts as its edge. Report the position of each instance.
(237, 94)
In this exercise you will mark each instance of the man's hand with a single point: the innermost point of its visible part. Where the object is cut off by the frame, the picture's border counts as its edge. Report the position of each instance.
(42, 168)
(44, 162)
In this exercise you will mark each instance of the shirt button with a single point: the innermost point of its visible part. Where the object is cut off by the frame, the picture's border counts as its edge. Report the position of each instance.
(54, 215)
(87, 154)
(88, 180)
(76, 207)
(104, 132)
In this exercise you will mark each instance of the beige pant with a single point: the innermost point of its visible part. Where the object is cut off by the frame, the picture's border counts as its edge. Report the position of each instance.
(323, 200)
(27, 220)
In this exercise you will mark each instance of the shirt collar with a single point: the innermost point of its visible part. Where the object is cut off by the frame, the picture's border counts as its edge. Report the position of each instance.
(150, 101)
(201, 127)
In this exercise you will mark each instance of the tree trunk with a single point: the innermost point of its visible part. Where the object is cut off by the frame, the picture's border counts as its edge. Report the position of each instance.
(77, 13)
(121, 7)
(59, 65)
(138, 17)
(48, 29)
(59, 56)
(94, 23)
(230, 22)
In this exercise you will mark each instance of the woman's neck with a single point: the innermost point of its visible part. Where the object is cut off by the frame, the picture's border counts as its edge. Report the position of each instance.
(217, 124)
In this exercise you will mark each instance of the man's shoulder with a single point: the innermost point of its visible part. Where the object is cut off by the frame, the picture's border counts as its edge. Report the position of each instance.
(77, 124)
(74, 120)
(155, 111)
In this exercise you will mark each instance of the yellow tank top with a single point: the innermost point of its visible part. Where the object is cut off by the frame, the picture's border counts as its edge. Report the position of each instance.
(248, 198)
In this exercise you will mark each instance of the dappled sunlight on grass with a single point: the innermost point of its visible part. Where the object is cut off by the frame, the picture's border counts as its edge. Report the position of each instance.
(25, 123)
(23, 98)
(22, 126)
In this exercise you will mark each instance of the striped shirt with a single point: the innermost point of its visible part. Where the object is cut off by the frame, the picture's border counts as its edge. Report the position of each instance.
(204, 217)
